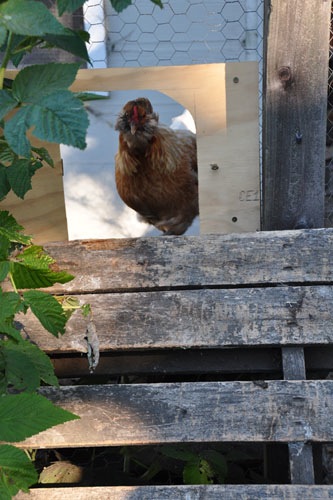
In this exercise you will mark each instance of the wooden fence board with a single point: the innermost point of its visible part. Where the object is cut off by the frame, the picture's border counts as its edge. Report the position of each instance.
(238, 259)
(179, 492)
(264, 411)
(295, 109)
(197, 318)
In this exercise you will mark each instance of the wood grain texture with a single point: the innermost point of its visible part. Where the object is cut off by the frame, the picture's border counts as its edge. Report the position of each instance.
(301, 467)
(264, 411)
(202, 492)
(261, 258)
(197, 318)
(42, 212)
(295, 113)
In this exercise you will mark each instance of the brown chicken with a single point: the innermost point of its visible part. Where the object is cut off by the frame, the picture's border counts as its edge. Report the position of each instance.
(156, 169)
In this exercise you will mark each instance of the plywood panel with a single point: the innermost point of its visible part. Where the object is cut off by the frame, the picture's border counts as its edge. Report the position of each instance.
(226, 116)
(223, 100)
(42, 212)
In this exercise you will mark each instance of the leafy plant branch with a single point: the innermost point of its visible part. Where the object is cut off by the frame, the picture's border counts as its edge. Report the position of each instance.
(38, 101)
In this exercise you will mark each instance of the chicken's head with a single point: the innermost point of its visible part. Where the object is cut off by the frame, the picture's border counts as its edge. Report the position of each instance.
(137, 116)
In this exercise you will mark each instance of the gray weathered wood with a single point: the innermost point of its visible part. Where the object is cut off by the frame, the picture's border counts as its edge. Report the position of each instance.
(293, 363)
(263, 411)
(301, 463)
(295, 113)
(211, 260)
(300, 454)
(198, 318)
(202, 492)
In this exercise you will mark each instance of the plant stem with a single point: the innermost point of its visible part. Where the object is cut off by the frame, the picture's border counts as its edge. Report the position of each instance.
(12, 281)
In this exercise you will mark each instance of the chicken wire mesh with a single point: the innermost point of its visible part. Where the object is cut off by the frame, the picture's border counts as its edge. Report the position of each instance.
(183, 32)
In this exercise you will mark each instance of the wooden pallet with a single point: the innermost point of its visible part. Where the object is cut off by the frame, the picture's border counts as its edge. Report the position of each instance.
(239, 303)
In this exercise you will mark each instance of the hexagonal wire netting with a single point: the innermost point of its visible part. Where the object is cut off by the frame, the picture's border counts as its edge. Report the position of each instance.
(183, 32)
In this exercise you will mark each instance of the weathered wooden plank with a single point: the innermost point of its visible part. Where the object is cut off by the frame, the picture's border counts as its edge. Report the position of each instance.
(295, 113)
(198, 318)
(250, 258)
(301, 463)
(200, 492)
(263, 411)
(300, 454)
(293, 363)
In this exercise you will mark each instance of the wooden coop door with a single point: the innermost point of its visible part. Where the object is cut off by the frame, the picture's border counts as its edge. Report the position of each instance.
(223, 100)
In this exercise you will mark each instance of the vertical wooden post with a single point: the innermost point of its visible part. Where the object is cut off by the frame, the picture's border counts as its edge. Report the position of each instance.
(294, 118)
(300, 454)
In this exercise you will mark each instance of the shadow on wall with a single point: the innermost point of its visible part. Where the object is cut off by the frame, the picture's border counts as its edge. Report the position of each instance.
(93, 206)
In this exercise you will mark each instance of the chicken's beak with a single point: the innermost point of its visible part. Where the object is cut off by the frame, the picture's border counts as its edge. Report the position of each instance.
(133, 128)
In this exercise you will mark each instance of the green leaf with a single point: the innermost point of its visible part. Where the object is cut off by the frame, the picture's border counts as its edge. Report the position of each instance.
(120, 5)
(39, 80)
(47, 310)
(4, 184)
(25, 365)
(3, 35)
(90, 96)
(158, 2)
(15, 132)
(59, 117)
(17, 471)
(68, 5)
(4, 265)
(11, 229)
(4, 249)
(198, 472)
(218, 463)
(28, 17)
(19, 175)
(7, 102)
(73, 42)
(22, 45)
(25, 414)
(10, 304)
(7, 155)
(32, 269)
(20, 372)
(41, 362)
(44, 155)
(6, 328)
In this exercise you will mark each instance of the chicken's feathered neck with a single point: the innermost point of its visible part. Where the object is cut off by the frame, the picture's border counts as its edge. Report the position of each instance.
(137, 153)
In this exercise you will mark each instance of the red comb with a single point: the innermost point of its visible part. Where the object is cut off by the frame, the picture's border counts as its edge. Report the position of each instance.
(135, 116)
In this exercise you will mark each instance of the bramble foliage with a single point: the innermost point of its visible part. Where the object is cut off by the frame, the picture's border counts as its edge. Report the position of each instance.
(37, 100)
(23, 366)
